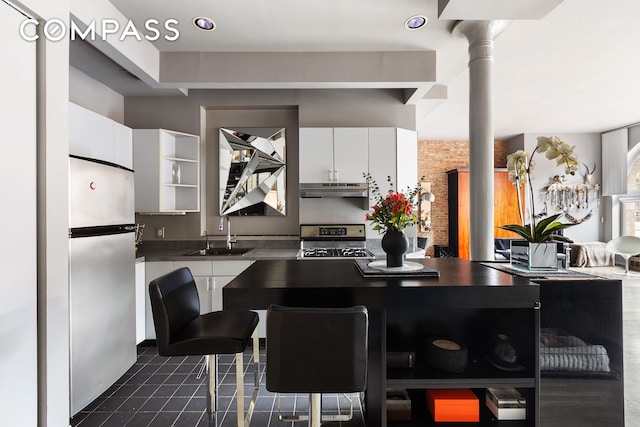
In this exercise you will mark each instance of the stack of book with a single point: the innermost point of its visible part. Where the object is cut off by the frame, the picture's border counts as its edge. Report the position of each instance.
(506, 403)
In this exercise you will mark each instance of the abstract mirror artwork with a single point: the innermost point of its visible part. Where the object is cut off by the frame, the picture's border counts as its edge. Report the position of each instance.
(252, 171)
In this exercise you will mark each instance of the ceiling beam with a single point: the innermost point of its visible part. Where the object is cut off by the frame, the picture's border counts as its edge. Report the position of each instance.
(297, 70)
(495, 9)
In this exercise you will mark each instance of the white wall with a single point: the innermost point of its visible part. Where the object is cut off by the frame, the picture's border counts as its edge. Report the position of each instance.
(18, 287)
(52, 218)
(587, 148)
(93, 95)
(53, 221)
(316, 108)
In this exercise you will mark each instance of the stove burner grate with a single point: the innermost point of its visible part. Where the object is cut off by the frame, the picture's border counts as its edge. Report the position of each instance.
(347, 252)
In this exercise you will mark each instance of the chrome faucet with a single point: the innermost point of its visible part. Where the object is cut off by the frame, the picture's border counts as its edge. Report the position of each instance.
(230, 242)
(206, 236)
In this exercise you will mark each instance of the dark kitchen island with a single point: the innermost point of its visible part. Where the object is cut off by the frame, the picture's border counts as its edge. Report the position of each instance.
(468, 302)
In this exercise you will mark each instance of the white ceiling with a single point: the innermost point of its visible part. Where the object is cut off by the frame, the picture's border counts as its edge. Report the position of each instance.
(575, 70)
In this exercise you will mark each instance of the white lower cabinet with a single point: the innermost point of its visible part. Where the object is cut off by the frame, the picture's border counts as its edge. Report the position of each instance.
(217, 283)
(202, 272)
(223, 273)
(141, 289)
(210, 277)
(204, 293)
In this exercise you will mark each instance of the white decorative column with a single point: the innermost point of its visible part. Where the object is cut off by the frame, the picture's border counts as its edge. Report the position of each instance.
(480, 35)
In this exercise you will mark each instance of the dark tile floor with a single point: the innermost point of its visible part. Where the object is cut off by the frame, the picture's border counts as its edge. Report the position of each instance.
(162, 391)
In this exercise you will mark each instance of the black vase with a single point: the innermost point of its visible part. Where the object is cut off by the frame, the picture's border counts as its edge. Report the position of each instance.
(395, 245)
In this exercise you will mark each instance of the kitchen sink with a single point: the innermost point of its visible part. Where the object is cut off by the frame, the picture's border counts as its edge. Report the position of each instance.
(218, 251)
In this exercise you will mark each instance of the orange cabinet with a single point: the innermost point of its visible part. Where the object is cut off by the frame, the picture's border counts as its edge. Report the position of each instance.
(505, 208)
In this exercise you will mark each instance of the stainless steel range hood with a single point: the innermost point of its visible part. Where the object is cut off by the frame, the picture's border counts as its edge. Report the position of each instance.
(357, 191)
(334, 189)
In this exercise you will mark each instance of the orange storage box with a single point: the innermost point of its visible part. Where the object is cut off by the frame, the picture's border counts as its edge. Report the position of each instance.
(453, 405)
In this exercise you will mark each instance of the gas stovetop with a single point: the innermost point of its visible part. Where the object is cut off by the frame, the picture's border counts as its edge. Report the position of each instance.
(333, 241)
(345, 252)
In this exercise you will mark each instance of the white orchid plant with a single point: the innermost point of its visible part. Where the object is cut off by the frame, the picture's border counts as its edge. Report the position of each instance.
(520, 165)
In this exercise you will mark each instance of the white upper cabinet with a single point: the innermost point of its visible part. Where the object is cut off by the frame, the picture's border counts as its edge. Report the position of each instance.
(350, 154)
(97, 137)
(406, 158)
(78, 130)
(122, 145)
(382, 156)
(316, 154)
(393, 152)
(333, 154)
(100, 137)
(167, 167)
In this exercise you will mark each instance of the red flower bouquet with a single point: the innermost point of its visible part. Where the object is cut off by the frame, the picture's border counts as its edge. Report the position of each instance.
(394, 211)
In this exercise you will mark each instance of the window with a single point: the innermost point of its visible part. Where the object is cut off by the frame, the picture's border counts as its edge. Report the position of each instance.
(630, 203)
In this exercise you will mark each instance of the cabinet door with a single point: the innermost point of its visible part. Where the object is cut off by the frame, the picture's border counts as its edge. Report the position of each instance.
(350, 154)
(141, 290)
(100, 137)
(226, 271)
(122, 145)
(316, 155)
(216, 297)
(78, 130)
(216, 290)
(382, 155)
(406, 158)
(198, 268)
(504, 202)
(230, 268)
(204, 285)
(202, 271)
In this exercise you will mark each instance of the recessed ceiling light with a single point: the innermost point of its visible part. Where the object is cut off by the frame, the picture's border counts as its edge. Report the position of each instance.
(204, 23)
(415, 22)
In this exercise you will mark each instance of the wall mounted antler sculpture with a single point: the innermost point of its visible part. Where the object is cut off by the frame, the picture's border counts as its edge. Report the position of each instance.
(589, 175)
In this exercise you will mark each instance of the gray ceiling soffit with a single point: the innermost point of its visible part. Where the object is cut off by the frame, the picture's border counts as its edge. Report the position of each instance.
(495, 9)
(298, 70)
(97, 65)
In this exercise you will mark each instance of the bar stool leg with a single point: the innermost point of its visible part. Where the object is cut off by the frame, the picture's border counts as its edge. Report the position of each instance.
(315, 410)
(256, 359)
(240, 389)
(244, 418)
(212, 390)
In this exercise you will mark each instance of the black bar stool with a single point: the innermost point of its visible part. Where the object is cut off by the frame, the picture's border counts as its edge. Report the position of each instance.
(315, 351)
(182, 331)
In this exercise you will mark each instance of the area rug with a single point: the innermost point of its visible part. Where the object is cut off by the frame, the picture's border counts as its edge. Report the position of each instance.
(568, 274)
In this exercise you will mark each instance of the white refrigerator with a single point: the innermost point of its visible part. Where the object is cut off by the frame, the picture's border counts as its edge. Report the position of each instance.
(102, 277)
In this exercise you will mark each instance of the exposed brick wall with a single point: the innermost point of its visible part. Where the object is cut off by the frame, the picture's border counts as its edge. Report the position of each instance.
(435, 158)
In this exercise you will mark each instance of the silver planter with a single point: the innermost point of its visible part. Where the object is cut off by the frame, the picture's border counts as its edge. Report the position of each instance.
(534, 256)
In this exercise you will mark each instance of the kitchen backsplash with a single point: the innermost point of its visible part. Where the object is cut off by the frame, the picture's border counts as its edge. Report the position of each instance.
(332, 211)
